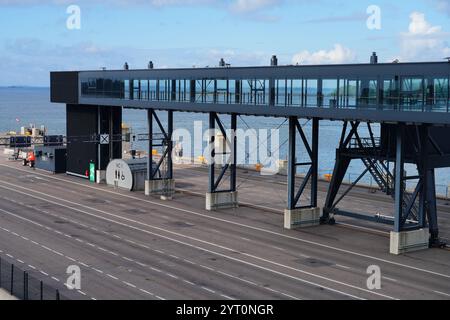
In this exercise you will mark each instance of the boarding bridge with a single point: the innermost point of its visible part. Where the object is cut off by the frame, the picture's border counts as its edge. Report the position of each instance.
(409, 101)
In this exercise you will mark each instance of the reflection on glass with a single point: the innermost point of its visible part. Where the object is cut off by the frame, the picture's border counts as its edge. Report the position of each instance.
(330, 92)
(412, 93)
(311, 92)
(368, 92)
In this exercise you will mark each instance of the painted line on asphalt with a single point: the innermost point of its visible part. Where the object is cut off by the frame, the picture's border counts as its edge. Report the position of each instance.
(209, 251)
(241, 225)
(205, 242)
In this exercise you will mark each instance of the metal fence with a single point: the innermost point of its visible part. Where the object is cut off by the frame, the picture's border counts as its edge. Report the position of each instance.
(25, 286)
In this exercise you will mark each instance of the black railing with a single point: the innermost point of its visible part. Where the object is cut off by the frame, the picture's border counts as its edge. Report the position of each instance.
(24, 286)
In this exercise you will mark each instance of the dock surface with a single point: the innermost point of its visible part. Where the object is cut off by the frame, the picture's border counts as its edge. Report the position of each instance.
(129, 246)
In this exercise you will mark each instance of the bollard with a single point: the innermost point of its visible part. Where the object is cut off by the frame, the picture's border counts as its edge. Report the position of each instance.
(42, 290)
(57, 295)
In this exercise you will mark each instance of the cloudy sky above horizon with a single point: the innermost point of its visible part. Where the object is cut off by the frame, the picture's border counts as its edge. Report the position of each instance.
(185, 33)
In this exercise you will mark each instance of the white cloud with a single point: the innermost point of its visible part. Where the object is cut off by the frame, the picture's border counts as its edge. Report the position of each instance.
(423, 40)
(245, 6)
(339, 54)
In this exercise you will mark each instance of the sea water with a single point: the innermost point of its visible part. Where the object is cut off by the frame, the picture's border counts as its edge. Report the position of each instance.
(24, 106)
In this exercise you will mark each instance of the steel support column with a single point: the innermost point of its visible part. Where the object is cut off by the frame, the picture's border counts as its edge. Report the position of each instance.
(311, 177)
(162, 139)
(399, 178)
(230, 152)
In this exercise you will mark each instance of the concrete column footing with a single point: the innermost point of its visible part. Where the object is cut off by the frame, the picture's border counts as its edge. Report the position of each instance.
(302, 218)
(408, 241)
(161, 187)
(221, 200)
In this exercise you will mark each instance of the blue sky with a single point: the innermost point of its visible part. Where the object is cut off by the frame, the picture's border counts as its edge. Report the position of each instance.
(184, 33)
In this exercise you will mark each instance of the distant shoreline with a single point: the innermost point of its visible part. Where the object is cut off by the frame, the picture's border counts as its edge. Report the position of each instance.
(23, 87)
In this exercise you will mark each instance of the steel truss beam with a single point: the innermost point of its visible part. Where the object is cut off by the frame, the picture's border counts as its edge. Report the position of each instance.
(413, 209)
(311, 177)
(162, 139)
(230, 150)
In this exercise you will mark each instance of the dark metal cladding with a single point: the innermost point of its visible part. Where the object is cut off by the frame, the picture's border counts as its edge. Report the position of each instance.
(64, 87)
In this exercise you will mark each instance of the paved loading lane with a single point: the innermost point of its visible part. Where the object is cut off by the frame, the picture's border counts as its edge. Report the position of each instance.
(215, 236)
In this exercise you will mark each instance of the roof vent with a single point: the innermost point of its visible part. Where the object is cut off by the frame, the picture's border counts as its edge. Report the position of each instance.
(274, 61)
(374, 58)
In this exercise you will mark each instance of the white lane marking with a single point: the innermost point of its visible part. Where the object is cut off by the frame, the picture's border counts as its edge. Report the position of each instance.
(81, 292)
(207, 268)
(170, 275)
(314, 243)
(207, 250)
(56, 279)
(209, 290)
(32, 267)
(362, 228)
(226, 297)
(343, 267)
(129, 284)
(189, 282)
(128, 259)
(113, 277)
(390, 279)
(97, 270)
(145, 291)
(442, 293)
(220, 254)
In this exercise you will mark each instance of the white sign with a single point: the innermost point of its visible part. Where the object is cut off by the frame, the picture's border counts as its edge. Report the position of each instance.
(104, 139)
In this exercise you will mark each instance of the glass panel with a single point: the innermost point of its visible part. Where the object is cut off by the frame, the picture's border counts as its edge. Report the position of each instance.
(136, 92)
(348, 93)
(143, 90)
(281, 92)
(127, 89)
(437, 94)
(311, 95)
(412, 94)
(368, 92)
(295, 94)
(222, 91)
(390, 94)
(153, 87)
(330, 92)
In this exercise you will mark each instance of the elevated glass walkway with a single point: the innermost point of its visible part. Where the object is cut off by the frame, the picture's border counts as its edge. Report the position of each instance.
(341, 92)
